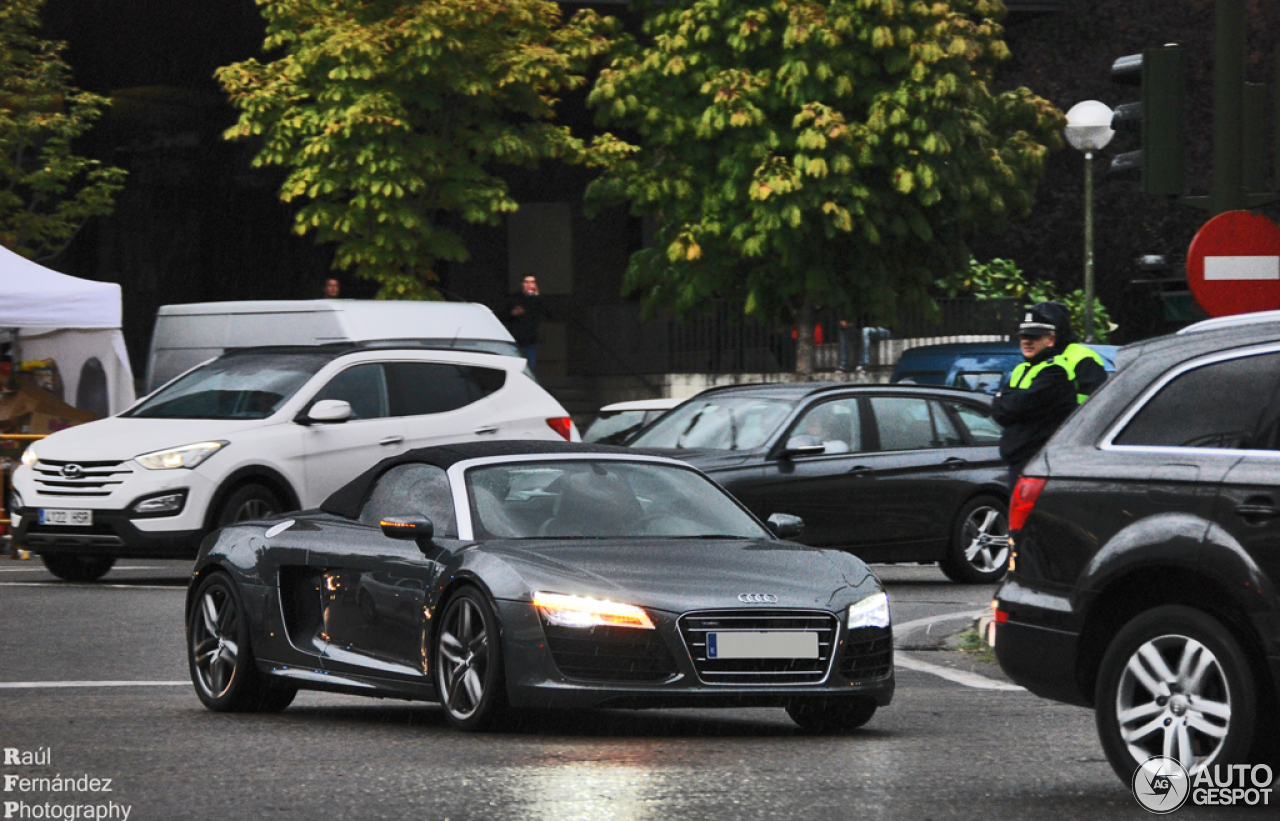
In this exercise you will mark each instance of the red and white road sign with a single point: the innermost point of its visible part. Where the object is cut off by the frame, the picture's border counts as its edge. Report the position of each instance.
(1233, 265)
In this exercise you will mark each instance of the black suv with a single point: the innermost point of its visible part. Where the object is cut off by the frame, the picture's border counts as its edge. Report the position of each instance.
(1146, 535)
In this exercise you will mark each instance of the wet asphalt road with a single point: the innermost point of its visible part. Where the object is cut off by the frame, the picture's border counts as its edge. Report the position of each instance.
(942, 750)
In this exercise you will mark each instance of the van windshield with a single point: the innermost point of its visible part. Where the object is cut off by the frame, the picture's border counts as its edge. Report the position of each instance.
(239, 386)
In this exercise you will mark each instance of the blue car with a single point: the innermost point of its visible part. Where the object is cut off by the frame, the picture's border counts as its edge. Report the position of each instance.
(977, 366)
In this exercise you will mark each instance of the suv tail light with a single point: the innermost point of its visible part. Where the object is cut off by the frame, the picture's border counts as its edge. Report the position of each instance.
(1025, 494)
(562, 425)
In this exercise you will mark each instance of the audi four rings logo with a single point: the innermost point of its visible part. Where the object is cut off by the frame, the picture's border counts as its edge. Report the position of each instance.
(72, 472)
(757, 598)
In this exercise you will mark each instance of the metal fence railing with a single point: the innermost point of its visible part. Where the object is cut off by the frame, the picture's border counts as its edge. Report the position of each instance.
(720, 340)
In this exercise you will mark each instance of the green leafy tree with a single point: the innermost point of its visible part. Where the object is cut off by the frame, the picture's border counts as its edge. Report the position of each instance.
(828, 152)
(47, 191)
(1002, 278)
(390, 116)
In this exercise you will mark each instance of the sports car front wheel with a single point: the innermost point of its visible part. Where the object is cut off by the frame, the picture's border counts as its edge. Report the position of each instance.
(832, 715)
(468, 661)
(219, 655)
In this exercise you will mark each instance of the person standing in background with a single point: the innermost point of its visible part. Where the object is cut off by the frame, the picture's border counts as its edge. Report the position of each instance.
(523, 316)
(332, 288)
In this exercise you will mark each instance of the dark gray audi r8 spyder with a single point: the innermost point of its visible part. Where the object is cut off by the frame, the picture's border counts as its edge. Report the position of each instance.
(505, 575)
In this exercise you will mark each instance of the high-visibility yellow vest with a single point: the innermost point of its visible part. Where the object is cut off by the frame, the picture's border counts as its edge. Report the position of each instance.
(1070, 358)
(1075, 353)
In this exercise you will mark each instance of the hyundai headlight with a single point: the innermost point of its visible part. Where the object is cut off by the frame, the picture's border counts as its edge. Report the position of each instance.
(873, 611)
(29, 457)
(187, 456)
(583, 611)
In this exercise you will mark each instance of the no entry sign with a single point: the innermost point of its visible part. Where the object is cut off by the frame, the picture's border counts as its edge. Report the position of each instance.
(1233, 265)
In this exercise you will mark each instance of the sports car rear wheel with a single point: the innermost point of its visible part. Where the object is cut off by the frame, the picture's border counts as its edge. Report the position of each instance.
(219, 655)
(468, 660)
(832, 715)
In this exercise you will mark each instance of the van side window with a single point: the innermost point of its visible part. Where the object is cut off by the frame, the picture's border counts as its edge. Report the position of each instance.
(364, 387)
(432, 387)
(1218, 405)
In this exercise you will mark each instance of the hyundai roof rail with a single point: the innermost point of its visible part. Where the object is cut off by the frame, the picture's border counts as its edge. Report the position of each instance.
(1256, 318)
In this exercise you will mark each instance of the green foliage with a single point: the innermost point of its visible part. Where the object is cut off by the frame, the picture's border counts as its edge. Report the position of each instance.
(835, 153)
(47, 192)
(391, 114)
(1002, 278)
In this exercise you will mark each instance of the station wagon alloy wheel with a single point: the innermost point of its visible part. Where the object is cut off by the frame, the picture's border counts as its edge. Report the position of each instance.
(1175, 682)
(980, 547)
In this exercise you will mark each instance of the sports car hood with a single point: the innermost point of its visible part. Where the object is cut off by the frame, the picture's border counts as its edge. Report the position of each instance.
(678, 575)
(121, 438)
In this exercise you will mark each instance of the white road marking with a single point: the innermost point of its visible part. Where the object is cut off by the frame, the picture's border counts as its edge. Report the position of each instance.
(911, 625)
(958, 676)
(42, 685)
(1241, 268)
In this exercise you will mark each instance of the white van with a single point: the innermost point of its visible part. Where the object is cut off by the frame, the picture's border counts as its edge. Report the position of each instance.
(186, 335)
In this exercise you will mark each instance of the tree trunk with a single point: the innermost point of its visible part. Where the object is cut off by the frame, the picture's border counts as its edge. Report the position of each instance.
(804, 338)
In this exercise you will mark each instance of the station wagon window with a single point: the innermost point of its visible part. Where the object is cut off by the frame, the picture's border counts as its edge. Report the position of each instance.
(718, 422)
(838, 424)
(908, 423)
(983, 430)
(1218, 405)
(412, 489)
(363, 387)
(418, 388)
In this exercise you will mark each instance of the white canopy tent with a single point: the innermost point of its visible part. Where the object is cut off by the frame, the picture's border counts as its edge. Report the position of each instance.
(76, 323)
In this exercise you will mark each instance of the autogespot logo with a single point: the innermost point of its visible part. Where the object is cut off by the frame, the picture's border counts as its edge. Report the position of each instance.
(1161, 784)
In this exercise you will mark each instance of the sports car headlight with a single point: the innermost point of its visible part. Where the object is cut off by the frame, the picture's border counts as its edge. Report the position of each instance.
(583, 611)
(187, 456)
(29, 457)
(873, 611)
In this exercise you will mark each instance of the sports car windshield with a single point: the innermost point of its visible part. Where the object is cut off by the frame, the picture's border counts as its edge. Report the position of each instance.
(240, 386)
(602, 499)
(717, 422)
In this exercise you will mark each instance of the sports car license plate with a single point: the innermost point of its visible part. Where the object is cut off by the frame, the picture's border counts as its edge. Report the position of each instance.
(762, 645)
(74, 518)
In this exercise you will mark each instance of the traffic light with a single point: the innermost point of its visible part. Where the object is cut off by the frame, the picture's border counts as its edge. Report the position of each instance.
(1159, 164)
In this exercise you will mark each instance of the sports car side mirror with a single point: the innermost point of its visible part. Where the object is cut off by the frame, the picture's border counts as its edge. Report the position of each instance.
(804, 444)
(785, 526)
(408, 527)
(326, 411)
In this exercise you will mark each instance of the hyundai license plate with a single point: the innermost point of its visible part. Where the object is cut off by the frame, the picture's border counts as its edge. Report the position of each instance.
(74, 518)
(771, 645)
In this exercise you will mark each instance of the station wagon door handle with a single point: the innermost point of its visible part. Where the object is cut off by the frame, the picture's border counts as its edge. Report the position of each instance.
(955, 462)
(860, 470)
(486, 429)
(391, 440)
(1256, 512)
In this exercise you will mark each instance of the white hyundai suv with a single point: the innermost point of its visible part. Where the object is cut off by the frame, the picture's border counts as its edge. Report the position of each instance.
(253, 433)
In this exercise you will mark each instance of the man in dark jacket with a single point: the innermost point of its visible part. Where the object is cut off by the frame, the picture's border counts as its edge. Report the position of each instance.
(1057, 375)
(523, 315)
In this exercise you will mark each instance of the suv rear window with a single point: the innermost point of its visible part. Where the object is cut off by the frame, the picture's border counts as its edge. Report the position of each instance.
(434, 387)
(1217, 405)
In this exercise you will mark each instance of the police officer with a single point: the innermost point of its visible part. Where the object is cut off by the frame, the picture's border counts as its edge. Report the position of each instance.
(1057, 374)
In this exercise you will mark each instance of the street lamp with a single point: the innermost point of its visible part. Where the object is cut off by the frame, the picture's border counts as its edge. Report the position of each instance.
(1089, 130)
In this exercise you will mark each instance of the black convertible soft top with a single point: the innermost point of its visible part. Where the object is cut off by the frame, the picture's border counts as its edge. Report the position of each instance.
(347, 500)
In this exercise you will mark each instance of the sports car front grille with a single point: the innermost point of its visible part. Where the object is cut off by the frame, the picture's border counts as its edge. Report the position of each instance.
(868, 653)
(694, 627)
(609, 653)
(96, 478)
